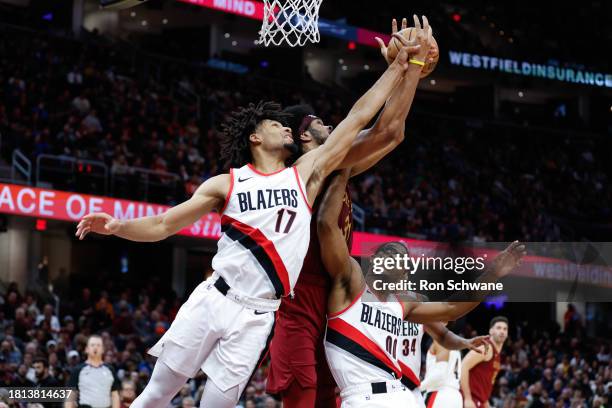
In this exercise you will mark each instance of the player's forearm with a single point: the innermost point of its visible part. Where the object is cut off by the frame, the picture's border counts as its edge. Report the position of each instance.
(370, 103)
(452, 341)
(393, 117)
(456, 310)
(341, 140)
(145, 229)
(388, 132)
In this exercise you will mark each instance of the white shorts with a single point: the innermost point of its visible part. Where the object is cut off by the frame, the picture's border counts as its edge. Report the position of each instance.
(418, 396)
(217, 334)
(398, 397)
(446, 397)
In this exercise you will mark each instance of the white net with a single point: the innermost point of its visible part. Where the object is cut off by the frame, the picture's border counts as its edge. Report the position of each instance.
(292, 22)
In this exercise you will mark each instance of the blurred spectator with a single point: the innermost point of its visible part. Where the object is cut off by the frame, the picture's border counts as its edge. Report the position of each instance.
(572, 321)
(128, 393)
(43, 378)
(48, 317)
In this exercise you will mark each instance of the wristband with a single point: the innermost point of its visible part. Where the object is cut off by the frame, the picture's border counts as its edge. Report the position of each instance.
(416, 62)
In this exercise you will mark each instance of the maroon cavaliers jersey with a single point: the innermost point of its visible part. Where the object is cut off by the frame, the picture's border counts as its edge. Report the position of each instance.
(313, 264)
(483, 375)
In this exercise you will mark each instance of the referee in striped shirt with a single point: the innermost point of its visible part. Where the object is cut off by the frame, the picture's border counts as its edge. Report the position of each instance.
(96, 383)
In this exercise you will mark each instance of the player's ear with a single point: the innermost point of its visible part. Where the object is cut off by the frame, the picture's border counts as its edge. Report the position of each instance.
(306, 137)
(255, 138)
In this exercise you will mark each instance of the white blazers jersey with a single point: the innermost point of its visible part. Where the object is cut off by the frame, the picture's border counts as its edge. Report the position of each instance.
(441, 374)
(361, 342)
(265, 232)
(410, 356)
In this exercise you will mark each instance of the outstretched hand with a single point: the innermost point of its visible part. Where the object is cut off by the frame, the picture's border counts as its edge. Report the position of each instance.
(100, 223)
(508, 259)
(381, 43)
(417, 48)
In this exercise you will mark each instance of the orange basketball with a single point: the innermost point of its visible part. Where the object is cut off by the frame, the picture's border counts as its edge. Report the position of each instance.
(410, 33)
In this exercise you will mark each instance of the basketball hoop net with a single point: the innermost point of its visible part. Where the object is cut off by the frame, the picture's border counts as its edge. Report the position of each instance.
(293, 22)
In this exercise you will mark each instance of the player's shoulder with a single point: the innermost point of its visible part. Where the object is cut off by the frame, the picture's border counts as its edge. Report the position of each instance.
(218, 185)
(307, 157)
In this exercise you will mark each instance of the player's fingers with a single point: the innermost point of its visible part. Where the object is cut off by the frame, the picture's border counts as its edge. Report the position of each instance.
(404, 23)
(475, 347)
(425, 22)
(393, 26)
(84, 232)
(381, 43)
(413, 49)
(417, 23)
(402, 40)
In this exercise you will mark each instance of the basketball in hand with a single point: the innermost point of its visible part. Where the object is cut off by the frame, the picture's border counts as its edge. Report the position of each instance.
(410, 34)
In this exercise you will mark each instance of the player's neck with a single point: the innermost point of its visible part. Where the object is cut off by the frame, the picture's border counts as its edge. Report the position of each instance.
(267, 165)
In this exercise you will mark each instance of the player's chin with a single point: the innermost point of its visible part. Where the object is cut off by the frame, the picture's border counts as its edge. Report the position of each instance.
(291, 147)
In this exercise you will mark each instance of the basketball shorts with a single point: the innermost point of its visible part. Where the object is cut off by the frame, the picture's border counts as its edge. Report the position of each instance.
(219, 334)
(361, 396)
(297, 352)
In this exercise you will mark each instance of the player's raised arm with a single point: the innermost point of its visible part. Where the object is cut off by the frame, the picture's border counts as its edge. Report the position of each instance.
(388, 131)
(334, 251)
(209, 196)
(317, 164)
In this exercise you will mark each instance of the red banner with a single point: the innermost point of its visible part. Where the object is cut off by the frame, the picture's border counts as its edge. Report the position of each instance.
(245, 8)
(66, 206)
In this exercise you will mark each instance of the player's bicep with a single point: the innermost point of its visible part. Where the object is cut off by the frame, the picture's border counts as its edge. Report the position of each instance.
(208, 197)
(436, 331)
(331, 154)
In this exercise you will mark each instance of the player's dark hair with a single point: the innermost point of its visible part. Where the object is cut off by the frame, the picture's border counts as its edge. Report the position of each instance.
(297, 113)
(235, 147)
(498, 319)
